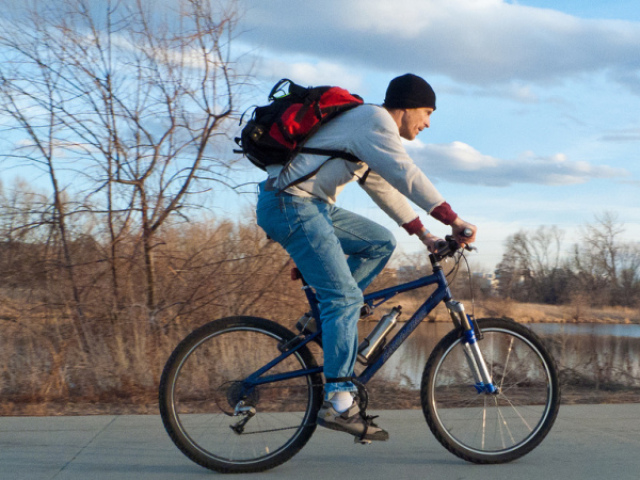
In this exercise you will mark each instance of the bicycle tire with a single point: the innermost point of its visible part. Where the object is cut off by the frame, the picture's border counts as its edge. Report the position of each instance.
(200, 388)
(491, 428)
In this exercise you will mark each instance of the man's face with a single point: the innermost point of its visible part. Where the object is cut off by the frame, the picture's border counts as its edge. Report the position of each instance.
(413, 121)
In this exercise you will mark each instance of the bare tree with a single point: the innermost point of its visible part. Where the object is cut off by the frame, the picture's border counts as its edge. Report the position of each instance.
(531, 268)
(629, 278)
(608, 268)
(122, 101)
(600, 270)
(601, 242)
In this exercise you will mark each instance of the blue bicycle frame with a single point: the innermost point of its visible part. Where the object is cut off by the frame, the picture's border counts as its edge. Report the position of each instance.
(442, 293)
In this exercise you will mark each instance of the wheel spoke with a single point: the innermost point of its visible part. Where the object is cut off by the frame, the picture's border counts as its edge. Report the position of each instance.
(503, 423)
(484, 424)
(506, 362)
(491, 428)
(202, 385)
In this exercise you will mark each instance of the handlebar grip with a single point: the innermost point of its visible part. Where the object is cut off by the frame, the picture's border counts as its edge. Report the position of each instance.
(467, 232)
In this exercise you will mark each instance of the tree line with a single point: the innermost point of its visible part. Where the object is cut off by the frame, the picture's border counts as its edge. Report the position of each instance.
(601, 269)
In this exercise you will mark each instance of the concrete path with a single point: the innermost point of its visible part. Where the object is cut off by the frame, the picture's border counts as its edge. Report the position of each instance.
(587, 442)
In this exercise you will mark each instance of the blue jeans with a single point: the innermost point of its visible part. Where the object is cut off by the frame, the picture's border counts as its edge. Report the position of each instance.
(317, 236)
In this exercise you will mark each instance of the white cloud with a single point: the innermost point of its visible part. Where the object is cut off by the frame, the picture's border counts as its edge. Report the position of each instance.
(458, 162)
(306, 73)
(472, 41)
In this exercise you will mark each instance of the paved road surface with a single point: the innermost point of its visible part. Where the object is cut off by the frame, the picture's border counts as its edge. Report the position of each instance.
(587, 442)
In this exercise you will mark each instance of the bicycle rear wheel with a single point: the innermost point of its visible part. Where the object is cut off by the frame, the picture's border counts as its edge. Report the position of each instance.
(491, 428)
(202, 387)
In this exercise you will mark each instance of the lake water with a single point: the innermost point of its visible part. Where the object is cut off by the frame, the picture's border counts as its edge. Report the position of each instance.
(589, 329)
(602, 355)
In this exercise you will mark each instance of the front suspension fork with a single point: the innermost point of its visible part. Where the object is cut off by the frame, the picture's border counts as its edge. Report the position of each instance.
(477, 365)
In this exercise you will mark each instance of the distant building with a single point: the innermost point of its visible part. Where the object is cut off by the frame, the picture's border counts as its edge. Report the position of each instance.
(486, 282)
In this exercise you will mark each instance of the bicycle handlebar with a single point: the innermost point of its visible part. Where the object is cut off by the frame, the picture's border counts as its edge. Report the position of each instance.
(449, 246)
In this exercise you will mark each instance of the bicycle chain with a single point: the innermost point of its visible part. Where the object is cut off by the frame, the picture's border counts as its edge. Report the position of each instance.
(276, 429)
(283, 428)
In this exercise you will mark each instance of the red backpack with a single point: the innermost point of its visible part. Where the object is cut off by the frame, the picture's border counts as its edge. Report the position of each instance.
(277, 132)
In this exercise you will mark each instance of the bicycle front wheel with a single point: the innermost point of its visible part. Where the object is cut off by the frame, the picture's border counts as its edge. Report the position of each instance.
(219, 422)
(491, 428)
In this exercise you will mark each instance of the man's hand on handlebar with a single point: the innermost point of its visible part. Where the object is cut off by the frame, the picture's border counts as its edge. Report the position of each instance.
(463, 232)
(448, 247)
(429, 240)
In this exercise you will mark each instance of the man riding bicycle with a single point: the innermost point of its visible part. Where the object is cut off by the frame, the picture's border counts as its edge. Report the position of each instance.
(338, 252)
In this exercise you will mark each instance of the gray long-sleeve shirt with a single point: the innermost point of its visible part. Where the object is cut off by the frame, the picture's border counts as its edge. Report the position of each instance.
(371, 134)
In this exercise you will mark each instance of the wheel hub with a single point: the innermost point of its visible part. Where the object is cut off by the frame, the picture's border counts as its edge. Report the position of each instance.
(230, 394)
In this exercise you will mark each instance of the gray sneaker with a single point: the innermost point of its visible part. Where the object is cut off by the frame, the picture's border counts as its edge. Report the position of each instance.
(351, 421)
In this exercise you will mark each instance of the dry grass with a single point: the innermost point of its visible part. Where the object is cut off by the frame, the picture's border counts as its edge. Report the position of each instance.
(45, 373)
(204, 272)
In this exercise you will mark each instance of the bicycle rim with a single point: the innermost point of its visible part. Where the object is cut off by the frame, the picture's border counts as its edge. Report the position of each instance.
(493, 428)
(205, 389)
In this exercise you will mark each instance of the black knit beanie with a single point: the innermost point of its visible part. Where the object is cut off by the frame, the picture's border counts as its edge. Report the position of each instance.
(409, 91)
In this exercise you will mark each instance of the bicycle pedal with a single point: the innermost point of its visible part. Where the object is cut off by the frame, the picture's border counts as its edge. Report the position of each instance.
(361, 441)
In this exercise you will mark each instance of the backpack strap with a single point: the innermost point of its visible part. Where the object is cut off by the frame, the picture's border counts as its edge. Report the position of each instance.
(278, 87)
(318, 151)
(363, 179)
(330, 153)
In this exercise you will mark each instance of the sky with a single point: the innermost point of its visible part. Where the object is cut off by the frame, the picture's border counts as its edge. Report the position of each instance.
(538, 102)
